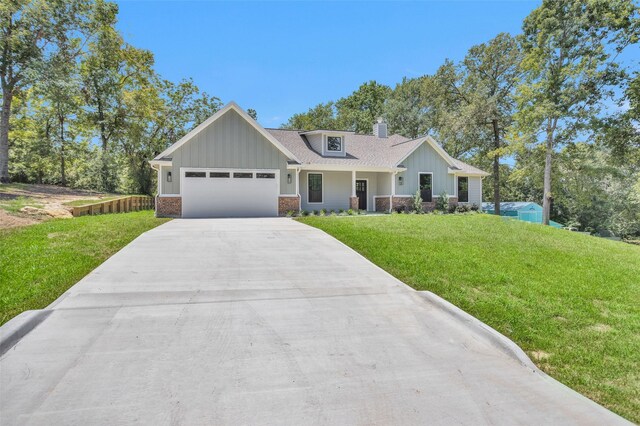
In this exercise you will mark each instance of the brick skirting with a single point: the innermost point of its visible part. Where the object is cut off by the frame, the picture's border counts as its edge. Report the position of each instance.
(288, 203)
(169, 206)
(382, 204)
(354, 203)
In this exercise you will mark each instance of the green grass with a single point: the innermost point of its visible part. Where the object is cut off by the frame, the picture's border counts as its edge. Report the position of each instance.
(571, 301)
(40, 262)
(14, 205)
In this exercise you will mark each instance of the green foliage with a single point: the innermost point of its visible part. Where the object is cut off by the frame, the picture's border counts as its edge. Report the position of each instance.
(416, 202)
(442, 202)
(583, 317)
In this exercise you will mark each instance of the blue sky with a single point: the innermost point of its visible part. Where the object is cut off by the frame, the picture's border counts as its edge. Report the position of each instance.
(284, 57)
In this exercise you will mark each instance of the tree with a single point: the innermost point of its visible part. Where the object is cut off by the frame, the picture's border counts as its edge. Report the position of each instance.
(479, 96)
(107, 69)
(322, 116)
(408, 110)
(30, 32)
(358, 111)
(570, 50)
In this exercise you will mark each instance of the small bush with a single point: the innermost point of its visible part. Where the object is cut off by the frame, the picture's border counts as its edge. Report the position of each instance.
(322, 212)
(362, 212)
(304, 213)
(474, 208)
(350, 212)
(340, 211)
(289, 213)
(462, 208)
(416, 202)
(333, 213)
(316, 212)
(442, 202)
(452, 208)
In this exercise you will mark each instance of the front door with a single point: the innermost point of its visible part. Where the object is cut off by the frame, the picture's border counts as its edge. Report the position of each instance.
(361, 193)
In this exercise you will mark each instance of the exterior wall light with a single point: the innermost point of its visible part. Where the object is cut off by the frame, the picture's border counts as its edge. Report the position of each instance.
(400, 180)
(288, 177)
(168, 176)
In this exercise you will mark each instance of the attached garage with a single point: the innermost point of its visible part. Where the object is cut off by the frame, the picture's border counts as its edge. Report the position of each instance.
(229, 192)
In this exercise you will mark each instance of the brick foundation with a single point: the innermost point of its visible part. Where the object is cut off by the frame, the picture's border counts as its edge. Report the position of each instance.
(382, 204)
(169, 206)
(288, 203)
(354, 203)
(403, 204)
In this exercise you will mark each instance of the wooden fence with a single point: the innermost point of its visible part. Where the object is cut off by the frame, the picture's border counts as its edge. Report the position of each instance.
(119, 205)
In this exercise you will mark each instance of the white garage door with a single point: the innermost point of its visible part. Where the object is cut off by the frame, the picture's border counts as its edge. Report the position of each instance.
(229, 193)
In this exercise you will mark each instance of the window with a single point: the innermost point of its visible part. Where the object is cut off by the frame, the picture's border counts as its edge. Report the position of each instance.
(315, 187)
(334, 143)
(243, 175)
(426, 187)
(463, 189)
(219, 174)
(265, 175)
(195, 174)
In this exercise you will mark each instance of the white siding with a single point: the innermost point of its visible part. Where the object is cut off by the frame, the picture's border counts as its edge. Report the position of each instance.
(475, 190)
(229, 142)
(336, 188)
(425, 159)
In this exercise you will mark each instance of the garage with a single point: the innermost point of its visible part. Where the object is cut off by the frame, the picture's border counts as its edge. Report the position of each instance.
(229, 192)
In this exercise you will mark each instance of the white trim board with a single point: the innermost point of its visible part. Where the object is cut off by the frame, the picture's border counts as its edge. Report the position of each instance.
(230, 106)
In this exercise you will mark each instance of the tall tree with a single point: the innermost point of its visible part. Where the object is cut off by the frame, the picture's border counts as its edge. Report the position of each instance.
(409, 110)
(570, 50)
(481, 90)
(30, 31)
(322, 116)
(358, 111)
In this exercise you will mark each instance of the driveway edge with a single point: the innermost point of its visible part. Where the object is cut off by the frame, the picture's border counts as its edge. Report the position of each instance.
(19, 326)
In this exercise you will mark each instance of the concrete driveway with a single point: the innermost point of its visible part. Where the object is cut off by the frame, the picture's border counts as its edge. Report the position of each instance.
(266, 321)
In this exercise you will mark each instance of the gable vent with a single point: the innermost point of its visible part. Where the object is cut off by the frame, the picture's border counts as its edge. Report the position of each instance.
(380, 129)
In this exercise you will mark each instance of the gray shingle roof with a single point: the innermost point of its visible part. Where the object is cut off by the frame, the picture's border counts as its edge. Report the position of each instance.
(362, 150)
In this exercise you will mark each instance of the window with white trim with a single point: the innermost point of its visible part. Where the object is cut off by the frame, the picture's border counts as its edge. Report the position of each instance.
(315, 187)
(463, 189)
(334, 143)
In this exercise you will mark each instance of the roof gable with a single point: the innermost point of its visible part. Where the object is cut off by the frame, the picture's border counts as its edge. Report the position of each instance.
(230, 106)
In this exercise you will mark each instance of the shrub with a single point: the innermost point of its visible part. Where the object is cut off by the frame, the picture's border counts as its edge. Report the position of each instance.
(322, 212)
(474, 208)
(304, 213)
(462, 208)
(452, 208)
(350, 212)
(289, 213)
(416, 202)
(316, 213)
(442, 202)
(362, 212)
(333, 213)
(340, 211)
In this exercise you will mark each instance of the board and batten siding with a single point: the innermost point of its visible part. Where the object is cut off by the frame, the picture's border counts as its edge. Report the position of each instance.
(229, 142)
(475, 190)
(336, 187)
(425, 159)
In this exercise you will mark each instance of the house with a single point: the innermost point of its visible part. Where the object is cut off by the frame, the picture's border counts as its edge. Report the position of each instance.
(231, 166)
(521, 210)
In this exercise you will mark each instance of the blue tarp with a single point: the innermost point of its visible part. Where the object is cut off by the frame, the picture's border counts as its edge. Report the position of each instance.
(522, 210)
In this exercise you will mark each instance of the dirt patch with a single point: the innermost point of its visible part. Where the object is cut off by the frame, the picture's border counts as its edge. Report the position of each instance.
(43, 202)
(601, 328)
(539, 355)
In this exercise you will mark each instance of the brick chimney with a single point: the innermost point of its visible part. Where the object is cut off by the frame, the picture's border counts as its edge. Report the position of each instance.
(380, 129)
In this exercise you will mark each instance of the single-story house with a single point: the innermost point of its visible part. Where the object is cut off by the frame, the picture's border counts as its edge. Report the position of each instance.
(526, 211)
(231, 166)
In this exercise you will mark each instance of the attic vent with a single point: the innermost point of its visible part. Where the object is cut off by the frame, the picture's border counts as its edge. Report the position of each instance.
(380, 129)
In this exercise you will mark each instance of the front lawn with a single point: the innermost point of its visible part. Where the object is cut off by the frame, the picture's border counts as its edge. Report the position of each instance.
(571, 301)
(40, 262)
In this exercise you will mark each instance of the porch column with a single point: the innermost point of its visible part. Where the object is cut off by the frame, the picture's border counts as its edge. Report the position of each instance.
(353, 183)
(298, 182)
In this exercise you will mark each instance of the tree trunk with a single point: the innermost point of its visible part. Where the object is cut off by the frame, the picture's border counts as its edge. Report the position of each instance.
(7, 97)
(546, 201)
(496, 168)
(63, 174)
